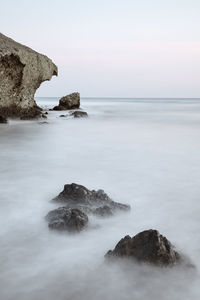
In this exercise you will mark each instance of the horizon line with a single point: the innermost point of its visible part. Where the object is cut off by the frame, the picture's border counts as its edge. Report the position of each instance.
(122, 97)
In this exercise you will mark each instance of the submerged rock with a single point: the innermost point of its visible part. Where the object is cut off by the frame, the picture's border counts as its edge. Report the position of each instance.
(149, 247)
(79, 114)
(71, 101)
(22, 70)
(3, 120)
(76, 195)
(67, 219)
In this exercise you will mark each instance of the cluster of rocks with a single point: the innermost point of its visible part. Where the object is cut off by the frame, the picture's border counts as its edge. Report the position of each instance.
(71, 102)
(76, 114)
(149, 246)
(79, 202)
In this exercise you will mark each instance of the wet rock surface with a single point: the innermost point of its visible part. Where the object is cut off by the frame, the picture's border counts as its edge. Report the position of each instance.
(22, 72)
(67, 219)
(148, 247)
(77, 195)
(71, 101)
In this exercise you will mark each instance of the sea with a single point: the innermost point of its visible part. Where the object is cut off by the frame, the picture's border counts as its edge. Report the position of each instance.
(143, 152)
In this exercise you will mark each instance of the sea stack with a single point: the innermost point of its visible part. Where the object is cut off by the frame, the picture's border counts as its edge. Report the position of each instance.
(22, 70)
(71, 101)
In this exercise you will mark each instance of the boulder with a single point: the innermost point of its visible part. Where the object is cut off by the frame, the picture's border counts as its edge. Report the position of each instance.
(3, 120)
(22, 70)
(71, 101)
(67, 219)
(79, 114)
(76, 195)
(149, 247)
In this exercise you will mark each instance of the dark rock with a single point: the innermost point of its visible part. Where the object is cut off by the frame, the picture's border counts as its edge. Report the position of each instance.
(44, 116)
(79, 114)
(71, 101)
(76, 195)
(67, 219)
(104, 211)
(3, 120)
(63, 116)
(149, 247)
(44, 122)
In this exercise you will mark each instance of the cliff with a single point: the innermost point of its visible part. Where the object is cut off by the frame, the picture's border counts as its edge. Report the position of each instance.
(22, 70)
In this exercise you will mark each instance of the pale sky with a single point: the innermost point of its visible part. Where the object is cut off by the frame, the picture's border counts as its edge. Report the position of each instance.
(112, 48)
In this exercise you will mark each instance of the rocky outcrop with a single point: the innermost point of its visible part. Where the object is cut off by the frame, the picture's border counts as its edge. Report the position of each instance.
(3, 120)
(22, 70)
(71, 101)
(103, 211)
(67, 219)
(80, 201)
(149, 247)
(79, 114)
(75, 114)
(76, 195)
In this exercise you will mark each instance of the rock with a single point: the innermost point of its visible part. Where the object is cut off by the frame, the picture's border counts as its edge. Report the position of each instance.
(149, 247)
(79, 114)
(22, 70)
(67, 219)
(3, 120)
(104, 211)
(63, 116)
(44, 122)
(75, 195)
(71, 101)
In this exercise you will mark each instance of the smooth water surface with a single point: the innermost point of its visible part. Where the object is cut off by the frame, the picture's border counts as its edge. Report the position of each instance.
(144, 152)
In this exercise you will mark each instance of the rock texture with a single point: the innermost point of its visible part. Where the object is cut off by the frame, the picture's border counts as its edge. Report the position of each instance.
(3, 120)
(67, 219)
(79, 114)
(22, 70)
(71, 101)
(149, 247)
(76, 195)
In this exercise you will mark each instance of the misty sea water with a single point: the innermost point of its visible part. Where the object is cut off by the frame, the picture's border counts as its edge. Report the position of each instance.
(144, 152)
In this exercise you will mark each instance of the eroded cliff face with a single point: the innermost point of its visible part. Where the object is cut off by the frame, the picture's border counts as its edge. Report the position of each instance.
(22, 70)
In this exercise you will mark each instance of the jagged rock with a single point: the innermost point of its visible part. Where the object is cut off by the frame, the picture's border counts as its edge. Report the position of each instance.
(79, 114)
(22, 70)
(149, 247)
(75, 195)
(71, 101)
(3, 120)
(67, 219)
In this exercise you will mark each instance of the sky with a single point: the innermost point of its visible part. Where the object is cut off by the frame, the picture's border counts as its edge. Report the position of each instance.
(113, 48)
